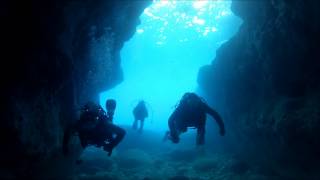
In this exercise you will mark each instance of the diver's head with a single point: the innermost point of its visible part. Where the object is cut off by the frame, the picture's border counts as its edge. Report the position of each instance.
(141, 102)
(90, 106)
(191, 99)
(111, 105)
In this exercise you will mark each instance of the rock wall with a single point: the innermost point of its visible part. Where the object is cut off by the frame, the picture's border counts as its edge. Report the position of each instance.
(57, 55)
(266, 82)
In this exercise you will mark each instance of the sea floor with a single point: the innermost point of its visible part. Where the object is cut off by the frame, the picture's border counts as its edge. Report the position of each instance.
(139, 159)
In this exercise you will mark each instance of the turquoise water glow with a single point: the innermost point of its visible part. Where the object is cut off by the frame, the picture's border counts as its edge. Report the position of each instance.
(161, 61)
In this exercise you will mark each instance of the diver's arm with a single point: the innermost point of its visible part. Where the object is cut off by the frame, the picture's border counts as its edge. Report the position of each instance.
(218, 119)
(147, 114)
(173, 127)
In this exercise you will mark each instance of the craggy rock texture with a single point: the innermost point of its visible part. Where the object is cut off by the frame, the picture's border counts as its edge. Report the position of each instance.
(58, 55)
(166, 161)
(266, 82)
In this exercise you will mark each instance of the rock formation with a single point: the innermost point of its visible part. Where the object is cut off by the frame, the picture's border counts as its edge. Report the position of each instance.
(266, 81)
(57, 54)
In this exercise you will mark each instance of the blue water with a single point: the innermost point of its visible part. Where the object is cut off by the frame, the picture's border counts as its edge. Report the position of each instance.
(161, 61)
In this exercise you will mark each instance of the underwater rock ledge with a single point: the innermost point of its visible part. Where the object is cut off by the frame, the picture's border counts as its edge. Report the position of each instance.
(54, 64)
(266, 82)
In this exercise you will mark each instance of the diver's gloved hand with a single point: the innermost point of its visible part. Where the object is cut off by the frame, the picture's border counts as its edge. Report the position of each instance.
(222, 131)
(108, 149)
(110, 152)
(174, 138)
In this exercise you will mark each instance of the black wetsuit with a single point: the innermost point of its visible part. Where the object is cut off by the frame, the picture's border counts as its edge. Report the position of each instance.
(97, 129)
(140, 113)
(186, 116)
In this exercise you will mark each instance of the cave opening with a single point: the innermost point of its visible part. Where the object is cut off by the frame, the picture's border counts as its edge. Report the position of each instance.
(161, 61)
(263, 80)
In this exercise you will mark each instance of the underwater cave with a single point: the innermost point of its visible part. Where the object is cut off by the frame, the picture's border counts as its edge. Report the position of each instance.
(162, 59)
(256, 63)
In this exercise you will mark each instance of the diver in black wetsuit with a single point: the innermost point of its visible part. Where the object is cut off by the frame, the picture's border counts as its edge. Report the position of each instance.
(191, 112)
(140, 112)
(95, 126)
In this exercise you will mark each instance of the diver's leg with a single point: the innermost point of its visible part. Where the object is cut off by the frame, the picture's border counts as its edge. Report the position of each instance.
(135, 124)
(85, 137)
(141, 125)
(119, 135)
(119, 132)
(200, 135)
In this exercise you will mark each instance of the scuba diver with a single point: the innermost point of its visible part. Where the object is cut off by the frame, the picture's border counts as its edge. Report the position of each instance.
(95, 127)
(191, 112)
(140, 112)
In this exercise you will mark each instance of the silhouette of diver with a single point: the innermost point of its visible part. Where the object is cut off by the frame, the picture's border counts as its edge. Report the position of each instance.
(95, 127)
(191, 112)
(140, 112)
